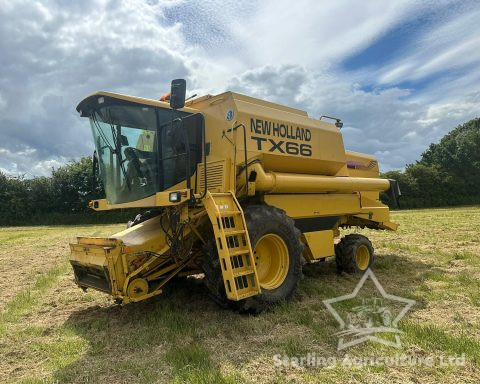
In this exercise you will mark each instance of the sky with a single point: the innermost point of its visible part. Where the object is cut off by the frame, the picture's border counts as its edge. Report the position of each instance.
(400, 74)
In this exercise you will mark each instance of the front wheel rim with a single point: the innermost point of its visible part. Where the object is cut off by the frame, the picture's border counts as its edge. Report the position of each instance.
(271, 260)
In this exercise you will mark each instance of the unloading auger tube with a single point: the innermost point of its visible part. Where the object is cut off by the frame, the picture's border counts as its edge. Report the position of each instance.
(244, 207)
(277, 182)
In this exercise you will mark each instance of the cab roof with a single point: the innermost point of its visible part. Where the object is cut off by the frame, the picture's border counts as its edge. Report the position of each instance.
(87, 104)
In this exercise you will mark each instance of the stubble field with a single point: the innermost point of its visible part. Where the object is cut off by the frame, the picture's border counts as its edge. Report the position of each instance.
(52, 332)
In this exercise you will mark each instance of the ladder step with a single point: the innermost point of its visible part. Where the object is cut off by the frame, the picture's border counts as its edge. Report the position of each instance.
(243, 273)
(225, 213)
(239, 271)
(230, 233)
(246, 294)
(241, 252)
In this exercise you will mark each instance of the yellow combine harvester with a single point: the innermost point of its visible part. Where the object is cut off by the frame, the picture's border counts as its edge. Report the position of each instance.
(240, 189)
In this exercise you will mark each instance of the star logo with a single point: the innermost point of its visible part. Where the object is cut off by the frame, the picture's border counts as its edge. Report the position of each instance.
(364, 322)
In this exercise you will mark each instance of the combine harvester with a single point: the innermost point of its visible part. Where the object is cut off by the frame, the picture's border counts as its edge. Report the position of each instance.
(240, 189)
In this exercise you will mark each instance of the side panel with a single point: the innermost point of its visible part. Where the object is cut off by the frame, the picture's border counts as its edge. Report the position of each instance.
(316, 205)
(320, 244)
(318, 212)
(284, 139)
(291, 142)
(363, 165)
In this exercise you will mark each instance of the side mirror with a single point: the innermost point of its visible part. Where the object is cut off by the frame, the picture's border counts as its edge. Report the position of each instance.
(177, 97)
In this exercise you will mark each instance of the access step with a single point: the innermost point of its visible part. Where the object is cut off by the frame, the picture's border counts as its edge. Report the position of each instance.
(233, 245)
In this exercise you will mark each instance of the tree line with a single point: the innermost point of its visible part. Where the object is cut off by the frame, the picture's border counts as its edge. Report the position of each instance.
(61, 198)
(447, 174)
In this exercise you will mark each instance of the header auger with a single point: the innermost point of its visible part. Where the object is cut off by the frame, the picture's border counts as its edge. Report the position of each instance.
(242, 190)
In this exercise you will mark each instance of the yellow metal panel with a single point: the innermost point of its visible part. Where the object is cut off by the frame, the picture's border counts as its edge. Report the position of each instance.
(217, 176)
(88, 256)
(216, 99)
(291, 142)
(106, 242)
(146, 236)
(320, 244)
(302, 144)
(361, 164)
(375, 209)
(163, 198)
(160, 199)
(102, 204)
(312, 205)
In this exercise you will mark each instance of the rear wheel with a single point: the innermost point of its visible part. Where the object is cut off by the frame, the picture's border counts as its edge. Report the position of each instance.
(354, 254)
(278, 258)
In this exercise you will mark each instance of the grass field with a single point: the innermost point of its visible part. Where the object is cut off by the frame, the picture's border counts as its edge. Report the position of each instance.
(52, 332)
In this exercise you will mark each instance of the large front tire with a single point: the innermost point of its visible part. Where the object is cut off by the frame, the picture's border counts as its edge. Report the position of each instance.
(278, 257)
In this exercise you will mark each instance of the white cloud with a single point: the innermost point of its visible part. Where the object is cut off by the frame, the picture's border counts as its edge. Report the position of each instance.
(54, 53)
(27, 162)
(3, 103)
(311, 33)
(452, 45)
(389, 123)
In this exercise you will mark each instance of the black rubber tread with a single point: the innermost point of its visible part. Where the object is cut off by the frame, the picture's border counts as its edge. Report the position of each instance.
(345, 253)
(261, 219)
(213, 275)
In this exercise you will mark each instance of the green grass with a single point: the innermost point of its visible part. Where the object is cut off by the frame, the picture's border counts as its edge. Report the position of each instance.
(434, 338)
(192, 364)
(25, 301)
(53, 332)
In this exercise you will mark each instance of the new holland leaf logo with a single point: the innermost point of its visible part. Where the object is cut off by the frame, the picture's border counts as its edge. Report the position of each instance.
(364, 322)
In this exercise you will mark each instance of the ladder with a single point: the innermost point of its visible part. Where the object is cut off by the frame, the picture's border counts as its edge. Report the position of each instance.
(233, 245)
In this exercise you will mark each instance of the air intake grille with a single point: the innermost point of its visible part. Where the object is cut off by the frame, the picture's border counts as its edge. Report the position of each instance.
(215, 176)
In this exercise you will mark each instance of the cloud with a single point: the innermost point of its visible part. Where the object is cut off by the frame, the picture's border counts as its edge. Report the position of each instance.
(54, 53)
(453, 45)
(312, 33)
(27, 162)
(378, 122)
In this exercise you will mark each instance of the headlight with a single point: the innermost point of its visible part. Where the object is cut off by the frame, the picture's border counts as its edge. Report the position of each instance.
(175, 197)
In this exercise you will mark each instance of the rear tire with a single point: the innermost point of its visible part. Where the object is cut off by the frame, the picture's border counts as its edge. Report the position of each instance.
(354, 254)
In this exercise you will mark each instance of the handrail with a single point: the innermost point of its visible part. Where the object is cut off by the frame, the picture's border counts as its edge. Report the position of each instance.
(245, 153)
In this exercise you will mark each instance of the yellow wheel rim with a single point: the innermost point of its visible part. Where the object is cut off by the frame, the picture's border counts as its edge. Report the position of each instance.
(271, 260)
(362, 257)
(137, 288)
